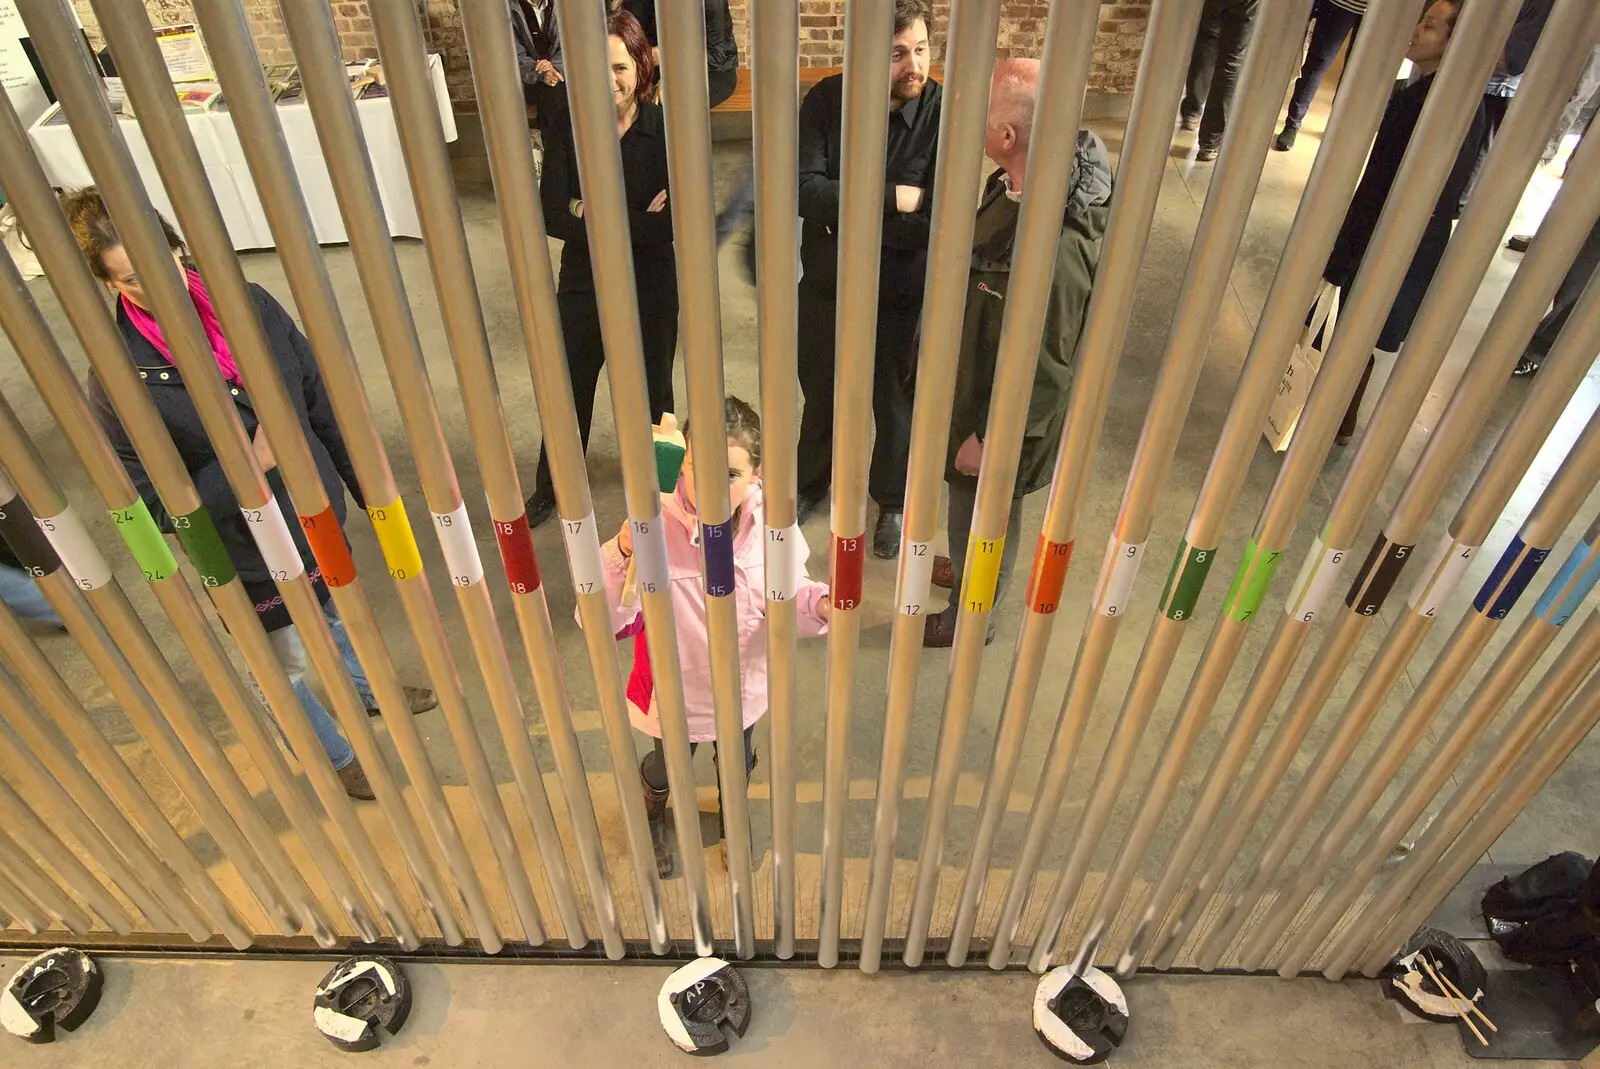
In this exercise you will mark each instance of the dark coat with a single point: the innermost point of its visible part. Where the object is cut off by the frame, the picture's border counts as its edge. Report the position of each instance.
(1077, 253)
(310, 398)
(1361, 219)
(722, 48)
(535, 42)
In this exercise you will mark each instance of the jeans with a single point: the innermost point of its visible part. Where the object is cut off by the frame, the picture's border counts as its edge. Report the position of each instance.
(18, 590)
(291, 651)
(1215, 63)
(1332, 25)
(963, 504)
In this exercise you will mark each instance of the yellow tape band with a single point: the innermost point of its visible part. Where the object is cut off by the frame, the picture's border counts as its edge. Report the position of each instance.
(399, 545)
(983, 573)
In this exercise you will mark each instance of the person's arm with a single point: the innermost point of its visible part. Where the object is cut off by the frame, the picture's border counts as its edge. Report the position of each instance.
(215, 493)
(1063, 320)
(1455, 186)
(819, 194)
(910, 230)
(527, 60)
(558, 188)
(810, 596)
(1525, 34)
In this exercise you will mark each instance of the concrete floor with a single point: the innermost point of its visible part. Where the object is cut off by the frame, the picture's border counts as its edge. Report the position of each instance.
(1560, 818)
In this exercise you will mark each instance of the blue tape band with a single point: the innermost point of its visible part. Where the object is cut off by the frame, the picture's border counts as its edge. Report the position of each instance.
(717, 542)
(1571, 585)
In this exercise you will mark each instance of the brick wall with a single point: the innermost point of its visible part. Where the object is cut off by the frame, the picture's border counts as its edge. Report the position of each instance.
(1116, 59)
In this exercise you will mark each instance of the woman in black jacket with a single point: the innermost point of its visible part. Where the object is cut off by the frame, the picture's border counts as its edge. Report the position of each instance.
(1428, 43)
(100, 244)
(642, 132)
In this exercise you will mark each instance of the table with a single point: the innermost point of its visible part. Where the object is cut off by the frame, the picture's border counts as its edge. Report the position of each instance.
(224, 161)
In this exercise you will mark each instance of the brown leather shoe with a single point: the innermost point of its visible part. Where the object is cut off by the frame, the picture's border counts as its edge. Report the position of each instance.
(944, 573)
(939, 631)
(418, 700)
(355, 782)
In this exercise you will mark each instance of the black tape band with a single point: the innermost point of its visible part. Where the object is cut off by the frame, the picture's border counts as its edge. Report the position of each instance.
(21, 532)
(1377, 576)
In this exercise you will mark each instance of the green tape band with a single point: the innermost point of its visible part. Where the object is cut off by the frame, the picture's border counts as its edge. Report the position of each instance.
(1250, 582)
(1185, 580)
(197, 533)
(144, 541)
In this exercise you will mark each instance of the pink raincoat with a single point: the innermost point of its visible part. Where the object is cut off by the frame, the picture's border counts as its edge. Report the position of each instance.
(689, 609)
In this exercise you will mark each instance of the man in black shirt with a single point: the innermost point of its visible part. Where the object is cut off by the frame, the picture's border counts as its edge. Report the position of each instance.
(907, 201)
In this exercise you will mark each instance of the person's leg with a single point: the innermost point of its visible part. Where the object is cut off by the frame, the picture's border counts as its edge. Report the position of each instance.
(814, 445)
(1572, 287)
(1008, 553)
(894, 374)
(1333, 24)
(580, 334)
(1347, 426)
(291, 654)
(22, 594)
(653, 781)
(1202, 62)
(1233, 37)
(720, 85)
(1588, 86)
(347, 652)
(658, 326)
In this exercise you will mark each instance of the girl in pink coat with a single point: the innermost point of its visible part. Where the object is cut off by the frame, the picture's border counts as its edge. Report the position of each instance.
(682, 531)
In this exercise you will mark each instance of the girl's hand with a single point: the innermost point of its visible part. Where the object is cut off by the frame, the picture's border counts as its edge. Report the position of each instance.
(625, 539)
(824, 608)
(658, 203)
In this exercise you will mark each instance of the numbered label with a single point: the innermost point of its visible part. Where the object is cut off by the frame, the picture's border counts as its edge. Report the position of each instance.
(395, 538)
(849, 555)
(84, 561)
(27, 541)
(144, 541)
(1377, 577)
(982, 576)
(1184, 583)
(199, 538)
(650, 555)
(1050, 563)
(1450, 562)
(583, 554)
(1319, 577)
(328, 546)
(716, 539)
(916, 578)
(274, 541)
(1117, 573)
(1570, 586)
(785, 548)
(460, 551)
(516, 553)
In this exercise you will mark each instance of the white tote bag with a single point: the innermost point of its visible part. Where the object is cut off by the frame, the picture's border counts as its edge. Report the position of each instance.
(1304, 363)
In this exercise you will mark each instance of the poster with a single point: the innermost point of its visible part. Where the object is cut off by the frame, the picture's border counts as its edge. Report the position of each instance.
(16, 73)
(184, 53)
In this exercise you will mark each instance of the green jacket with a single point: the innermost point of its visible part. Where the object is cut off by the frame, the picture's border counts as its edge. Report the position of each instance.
(1083, 223)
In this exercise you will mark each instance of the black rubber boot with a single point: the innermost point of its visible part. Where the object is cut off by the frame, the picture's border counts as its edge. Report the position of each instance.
(655, 807)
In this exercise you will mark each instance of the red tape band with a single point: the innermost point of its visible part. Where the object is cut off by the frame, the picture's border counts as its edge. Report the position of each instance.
(329, 547)
(516, 551)
(1050, 562)
(849, 555)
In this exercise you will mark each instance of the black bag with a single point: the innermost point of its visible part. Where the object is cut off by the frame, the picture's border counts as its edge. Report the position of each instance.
(1549, 914)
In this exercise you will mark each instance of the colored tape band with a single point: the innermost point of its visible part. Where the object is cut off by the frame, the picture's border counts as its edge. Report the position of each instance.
(583, 554)
(1508, 579)
(785, 549)
(516, 553)
(454, 529)
(274, 540)
(844, 571)
(982, 576)
(916, 578)
(1377, 577)
(650, 555)
(1250, 582)
(77, 551)
(197, 534)
(1576, 587)
(716, 541)
(29, 545)
(1117, 573)
(1050, 563)
(1450, 562)
(1316, 581)
(1185, 581)
(328, 545)
(396, 540)
(144, 541)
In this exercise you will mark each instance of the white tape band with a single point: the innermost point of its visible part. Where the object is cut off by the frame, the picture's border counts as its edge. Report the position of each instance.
(583, 555)
(84, 561)
(1117, 573)
(274, 541)
(784, 548)
(1450, 562)
(916, 578)
(460, 550)
(650, 555)
(1318, 576)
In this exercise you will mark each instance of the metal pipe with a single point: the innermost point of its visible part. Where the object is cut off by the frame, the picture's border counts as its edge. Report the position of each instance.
(963, 125)
(1267, 67)
(594, 130)
(1552, 73)
(775, 96)
(1571, 216)
(501, 108)
(20, 868)
(686, 99)
(20, 909)
(1141, 166)
(1068, 51)
(868, 33)
(1472, 819)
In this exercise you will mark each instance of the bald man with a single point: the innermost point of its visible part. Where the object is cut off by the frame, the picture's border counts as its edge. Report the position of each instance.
(1006, 142)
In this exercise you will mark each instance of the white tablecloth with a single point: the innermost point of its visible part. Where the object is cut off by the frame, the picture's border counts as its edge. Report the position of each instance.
(231, 183)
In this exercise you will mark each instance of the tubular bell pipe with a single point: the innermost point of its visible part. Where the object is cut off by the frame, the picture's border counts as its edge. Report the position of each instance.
(422, 143)
(963, 123)
(1267, 67)
(40, 839)
(502, 110)
(20, 909)
(1539, 629)
(1479, 819)
(594, 130)
(1568, 222)
(687, 105)
(1140, 167)
(1422, 175)
(32, 881)
(1554, 69)
(56, 383)
(868, 34)
(315, 43)
(775, 96)
(1068, 50)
